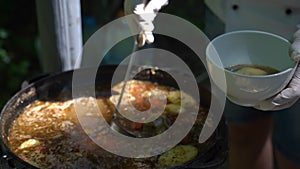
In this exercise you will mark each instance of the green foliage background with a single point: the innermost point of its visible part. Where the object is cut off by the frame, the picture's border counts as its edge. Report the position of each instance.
(18, 57)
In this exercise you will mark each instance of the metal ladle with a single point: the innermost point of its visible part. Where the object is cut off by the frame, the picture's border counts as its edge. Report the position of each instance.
(114, 124)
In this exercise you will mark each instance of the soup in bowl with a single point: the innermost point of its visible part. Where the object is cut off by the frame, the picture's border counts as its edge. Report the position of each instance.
(256, 65)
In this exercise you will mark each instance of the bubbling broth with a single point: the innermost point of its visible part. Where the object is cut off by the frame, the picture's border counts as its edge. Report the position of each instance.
(252, 69)
(48, 134)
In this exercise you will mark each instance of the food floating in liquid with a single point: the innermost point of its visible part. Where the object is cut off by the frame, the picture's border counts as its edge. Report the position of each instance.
(252, 69)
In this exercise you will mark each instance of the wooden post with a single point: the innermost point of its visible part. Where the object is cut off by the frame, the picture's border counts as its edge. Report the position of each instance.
(60, 33)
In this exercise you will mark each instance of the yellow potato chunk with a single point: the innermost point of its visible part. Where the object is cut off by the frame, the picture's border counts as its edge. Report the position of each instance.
(178, 155)
(177, 97)
(252, 71)
(29, 143)
(174, 109)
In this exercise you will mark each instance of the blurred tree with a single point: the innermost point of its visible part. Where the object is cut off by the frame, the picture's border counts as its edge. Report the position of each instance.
(18, 58)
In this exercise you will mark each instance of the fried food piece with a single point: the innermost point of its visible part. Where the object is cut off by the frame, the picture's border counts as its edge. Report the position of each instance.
(178, 155)
(252, 71)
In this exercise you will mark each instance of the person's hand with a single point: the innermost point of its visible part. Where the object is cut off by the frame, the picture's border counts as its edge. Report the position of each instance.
(287, 97)
(144, 16)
